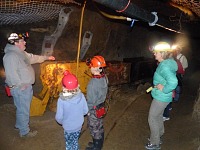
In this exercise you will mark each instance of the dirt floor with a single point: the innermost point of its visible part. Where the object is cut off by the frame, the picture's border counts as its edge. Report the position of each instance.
(126, 126)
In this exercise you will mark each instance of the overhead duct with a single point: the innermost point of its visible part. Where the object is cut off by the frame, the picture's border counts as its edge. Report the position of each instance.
(131, 10)
(127, 8)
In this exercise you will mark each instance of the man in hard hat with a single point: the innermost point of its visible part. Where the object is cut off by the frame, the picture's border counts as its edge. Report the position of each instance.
(19, 77)
(96, 95)
(182, 65)
(164, 81)
(183, 60)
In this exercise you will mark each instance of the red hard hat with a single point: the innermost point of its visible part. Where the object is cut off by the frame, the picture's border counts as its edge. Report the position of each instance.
(69, 81)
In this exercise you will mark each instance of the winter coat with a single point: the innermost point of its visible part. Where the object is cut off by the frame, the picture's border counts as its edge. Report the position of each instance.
(165, 74)
(17, 64)
(70, 111)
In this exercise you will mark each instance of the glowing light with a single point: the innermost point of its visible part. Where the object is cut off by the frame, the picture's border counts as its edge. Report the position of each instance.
(174, 47)
(162, 46)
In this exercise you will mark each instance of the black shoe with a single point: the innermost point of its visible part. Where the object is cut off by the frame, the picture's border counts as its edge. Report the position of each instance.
(152, 147)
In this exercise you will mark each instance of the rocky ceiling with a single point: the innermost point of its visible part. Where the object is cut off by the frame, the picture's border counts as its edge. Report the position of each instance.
(179, 12)
(185, 10)
(174, 14)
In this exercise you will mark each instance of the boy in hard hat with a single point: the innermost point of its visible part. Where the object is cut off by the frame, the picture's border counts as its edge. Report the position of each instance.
(71, 108)
(96, 95)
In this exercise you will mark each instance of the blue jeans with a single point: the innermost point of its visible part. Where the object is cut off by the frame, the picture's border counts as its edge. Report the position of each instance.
(22, 100)
(167, 110)
(177, 93)
(71, 140)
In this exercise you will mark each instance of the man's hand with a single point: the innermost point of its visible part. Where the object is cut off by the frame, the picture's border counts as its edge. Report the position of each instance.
(51, 58)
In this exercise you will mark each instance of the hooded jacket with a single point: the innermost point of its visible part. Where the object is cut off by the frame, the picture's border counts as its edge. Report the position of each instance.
(165, 74)
(17, 64)
(70, 111)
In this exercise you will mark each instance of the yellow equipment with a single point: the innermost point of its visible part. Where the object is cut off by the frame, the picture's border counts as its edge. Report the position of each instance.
(51, 76)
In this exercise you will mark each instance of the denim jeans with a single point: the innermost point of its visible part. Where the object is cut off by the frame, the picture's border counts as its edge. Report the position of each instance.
(22, 100)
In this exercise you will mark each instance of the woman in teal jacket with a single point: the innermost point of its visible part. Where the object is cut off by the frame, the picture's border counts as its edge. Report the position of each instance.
(164, 81)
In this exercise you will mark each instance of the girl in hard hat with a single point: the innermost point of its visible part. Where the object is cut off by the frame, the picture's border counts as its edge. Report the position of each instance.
(71, 108)
(96, 95)
(164, 81)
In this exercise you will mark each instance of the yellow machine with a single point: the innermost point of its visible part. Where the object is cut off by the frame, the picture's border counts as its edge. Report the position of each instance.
(51, 76)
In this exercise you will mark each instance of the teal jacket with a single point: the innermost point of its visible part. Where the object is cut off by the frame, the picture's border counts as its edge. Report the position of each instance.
(165, 74)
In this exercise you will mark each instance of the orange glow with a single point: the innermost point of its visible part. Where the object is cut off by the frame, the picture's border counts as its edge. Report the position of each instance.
(183, 9)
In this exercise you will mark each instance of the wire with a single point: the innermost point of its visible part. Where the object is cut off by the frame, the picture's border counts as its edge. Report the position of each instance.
(79, 40)
(124, 7)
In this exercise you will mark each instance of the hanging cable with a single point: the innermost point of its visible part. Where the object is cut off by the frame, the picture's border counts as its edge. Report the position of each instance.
(169, 29)
(79, 39)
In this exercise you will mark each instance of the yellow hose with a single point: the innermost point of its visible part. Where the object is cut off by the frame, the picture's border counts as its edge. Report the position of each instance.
(113, 17)
(79, 40)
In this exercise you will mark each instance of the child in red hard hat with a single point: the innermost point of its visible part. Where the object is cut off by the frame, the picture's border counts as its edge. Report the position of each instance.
(71, 108)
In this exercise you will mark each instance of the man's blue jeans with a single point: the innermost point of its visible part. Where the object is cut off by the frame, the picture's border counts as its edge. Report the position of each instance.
(22, 100)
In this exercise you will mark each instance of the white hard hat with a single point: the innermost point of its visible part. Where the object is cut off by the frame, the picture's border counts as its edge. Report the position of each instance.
(162, 47)
(13, 37)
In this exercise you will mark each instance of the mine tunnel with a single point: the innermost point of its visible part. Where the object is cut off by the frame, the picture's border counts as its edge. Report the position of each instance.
(123, 32)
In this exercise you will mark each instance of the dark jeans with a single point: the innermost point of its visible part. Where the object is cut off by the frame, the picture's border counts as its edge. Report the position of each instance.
(167, 110)
(177, 93)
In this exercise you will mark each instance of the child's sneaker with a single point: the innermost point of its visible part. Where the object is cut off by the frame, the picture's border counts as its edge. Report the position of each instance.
(152, 147)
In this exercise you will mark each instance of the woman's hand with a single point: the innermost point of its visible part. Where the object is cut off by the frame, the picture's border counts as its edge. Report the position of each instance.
(159, 87)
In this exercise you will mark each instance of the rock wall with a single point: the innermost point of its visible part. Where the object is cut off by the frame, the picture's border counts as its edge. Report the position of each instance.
(113, 39)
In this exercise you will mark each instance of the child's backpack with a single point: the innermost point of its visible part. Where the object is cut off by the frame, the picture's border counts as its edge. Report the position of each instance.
(180, 67)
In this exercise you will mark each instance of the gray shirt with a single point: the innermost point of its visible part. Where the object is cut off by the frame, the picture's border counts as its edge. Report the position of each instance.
(17, 65)
(96, 91)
